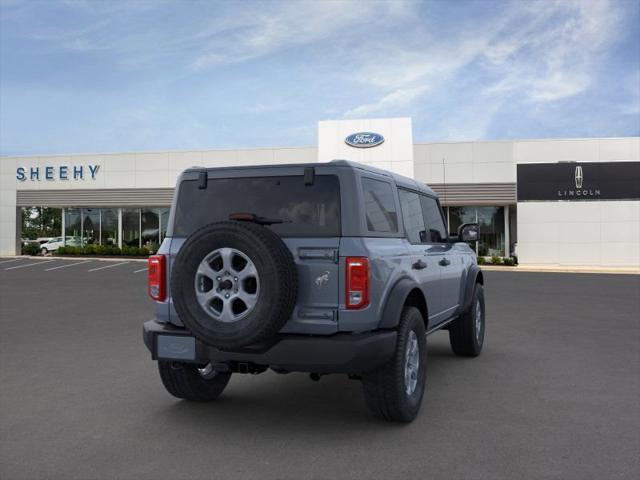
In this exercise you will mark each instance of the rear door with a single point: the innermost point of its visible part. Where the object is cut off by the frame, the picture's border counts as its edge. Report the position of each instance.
(424, 261)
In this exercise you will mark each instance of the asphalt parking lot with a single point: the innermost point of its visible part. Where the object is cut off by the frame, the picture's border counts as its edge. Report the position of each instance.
(554, 394)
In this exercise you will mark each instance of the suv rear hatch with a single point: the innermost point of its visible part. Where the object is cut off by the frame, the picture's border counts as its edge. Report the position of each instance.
(308, 205)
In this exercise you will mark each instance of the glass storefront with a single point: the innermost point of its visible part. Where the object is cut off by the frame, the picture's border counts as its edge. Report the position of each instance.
(72, 226)
(109, 227)
(491, 221)
(150, 221)
(131, 227)
(41, 222)
(141, 227)
(90, 226)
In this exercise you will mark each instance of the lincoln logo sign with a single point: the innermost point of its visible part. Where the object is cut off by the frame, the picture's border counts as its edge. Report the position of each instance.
(569, 181)
(579, 177)
(60, 172)
(364, 139)
(579, 191)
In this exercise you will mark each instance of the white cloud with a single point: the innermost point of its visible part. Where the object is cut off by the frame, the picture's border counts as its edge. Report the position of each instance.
(396, 99)
(288, 25)
(538, 51)
(552, 56)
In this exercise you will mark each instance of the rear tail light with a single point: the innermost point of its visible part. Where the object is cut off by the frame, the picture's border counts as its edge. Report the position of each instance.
(156, 276)
(357, 294)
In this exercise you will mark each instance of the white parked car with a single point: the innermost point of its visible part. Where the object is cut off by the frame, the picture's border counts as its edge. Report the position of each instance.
(52, 245)
(56, 242)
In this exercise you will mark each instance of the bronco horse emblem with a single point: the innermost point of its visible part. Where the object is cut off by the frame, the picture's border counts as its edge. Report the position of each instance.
(324, 278)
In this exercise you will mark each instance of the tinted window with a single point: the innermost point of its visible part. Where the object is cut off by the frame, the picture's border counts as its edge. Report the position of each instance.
(433, 220)
(307, 210)
(380, 207)
(412, 216)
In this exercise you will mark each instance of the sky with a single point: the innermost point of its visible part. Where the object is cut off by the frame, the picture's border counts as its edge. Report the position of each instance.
(88, 76)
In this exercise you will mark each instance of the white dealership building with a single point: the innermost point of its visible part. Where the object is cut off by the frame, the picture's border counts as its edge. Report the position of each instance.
(560, 202)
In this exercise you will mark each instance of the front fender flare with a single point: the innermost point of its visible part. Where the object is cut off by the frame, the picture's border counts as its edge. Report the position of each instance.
(474, 275)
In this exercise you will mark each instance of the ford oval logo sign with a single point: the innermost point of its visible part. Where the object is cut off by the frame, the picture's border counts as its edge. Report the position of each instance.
(364, 139)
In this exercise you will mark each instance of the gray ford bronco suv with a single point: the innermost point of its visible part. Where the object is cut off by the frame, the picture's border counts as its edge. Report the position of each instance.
(321, 268)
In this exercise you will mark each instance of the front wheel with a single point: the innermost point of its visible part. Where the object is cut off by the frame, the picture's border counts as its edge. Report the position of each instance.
(192, 382)
(466, 334)
(44, 251)
(394, 391)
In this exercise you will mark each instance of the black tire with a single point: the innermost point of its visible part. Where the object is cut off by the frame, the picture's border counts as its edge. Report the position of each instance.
(464, 337)
(44, 251)
(183, 380)
(278, 284)
(385, 389)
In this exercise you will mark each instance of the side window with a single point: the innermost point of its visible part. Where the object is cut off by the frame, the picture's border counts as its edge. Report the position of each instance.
(412, 216)
(379, 205)
(433, 219)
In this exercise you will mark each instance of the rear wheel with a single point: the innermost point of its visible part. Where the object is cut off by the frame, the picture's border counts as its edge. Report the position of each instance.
(466, 334)
(394, 391)
(192, 382)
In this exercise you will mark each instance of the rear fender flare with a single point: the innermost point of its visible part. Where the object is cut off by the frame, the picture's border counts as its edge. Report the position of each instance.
(396, 301)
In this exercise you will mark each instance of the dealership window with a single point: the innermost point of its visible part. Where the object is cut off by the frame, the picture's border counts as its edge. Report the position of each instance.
(141, 227)
(380, 208)
(492, 224)
(131, 227)
(41, 222)
(72, 226)
(150, 222)
(109, 227)
(491, 220)
(90, 226)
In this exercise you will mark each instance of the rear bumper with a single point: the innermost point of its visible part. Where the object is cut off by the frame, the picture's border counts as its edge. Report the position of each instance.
(338, 353)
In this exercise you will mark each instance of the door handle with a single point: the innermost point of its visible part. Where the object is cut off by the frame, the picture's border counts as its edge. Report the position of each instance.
(419, 265)
(444, 262)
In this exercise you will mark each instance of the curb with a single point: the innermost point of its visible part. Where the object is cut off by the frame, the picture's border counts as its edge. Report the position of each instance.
(558, 269)
(98, 259)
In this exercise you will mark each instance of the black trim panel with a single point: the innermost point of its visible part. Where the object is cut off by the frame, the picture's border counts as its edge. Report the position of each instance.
(339, 353)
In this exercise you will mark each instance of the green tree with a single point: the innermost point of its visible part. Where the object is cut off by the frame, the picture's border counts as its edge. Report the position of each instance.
(41, 222)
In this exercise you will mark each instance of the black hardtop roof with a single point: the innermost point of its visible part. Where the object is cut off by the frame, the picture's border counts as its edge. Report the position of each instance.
(400, 180)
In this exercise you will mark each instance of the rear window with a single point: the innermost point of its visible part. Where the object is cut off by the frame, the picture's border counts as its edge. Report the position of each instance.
(307, 210)
(380, 206)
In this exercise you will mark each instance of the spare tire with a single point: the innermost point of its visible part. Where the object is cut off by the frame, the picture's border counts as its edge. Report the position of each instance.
(234, 284)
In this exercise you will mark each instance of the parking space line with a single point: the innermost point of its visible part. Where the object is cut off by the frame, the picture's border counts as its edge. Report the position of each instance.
(9, 261)
(108, 266)
(141, 270)
(30, 264)
(65, 266)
